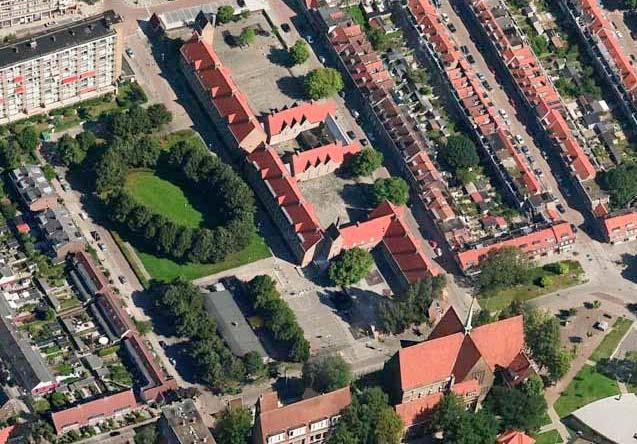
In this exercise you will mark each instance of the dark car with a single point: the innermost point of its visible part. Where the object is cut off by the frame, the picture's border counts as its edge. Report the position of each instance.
(351, 135)
(464, 49)
(560, 208)
(470, 59)
(285, 27)
(451, 27)
(486, 85)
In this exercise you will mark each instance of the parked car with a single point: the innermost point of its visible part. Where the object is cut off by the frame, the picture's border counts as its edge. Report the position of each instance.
(486, 85)
(538, 172)
(560, 208)
(102, 246)
(351, 134)
(503, 113)
(481, 76)
(464, 49)
(470, 59)
(285, 27)
(130, 53)
(122, 279)
(364, 142)
(519, 138)
(96, 235)
(83, 215)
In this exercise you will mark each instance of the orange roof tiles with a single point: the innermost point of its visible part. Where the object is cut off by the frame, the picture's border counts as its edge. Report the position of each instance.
(314, 112)
(334, 152)
(5, 434)
(273, 419)
(537, 241)
(539, 91)
(617, 226)
(81, 414)
(284, 189)
(498, 343)
(226, 97)
(514, 437)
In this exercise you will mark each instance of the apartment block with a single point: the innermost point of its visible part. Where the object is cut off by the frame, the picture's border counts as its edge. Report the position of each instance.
(60, 66)
(20, 12)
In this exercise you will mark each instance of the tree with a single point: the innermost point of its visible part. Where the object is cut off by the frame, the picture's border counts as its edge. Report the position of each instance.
(558, 268)
(69, 151)
(483, 317)
(410, 307)
(517, 409)
(366, 162)
(225, 14)
(299, 52)
(369, 419)
(253, 363)
(350, 267)
(159, 115)
(234, 426)
(460, 426)
(504, 267)
(542, 336)
(327, 373)
(393, 189)
(459, 154)
(29, 139)
(57, 400)
(323, 82)
(381, 40)
(247, 36)
(146, 434)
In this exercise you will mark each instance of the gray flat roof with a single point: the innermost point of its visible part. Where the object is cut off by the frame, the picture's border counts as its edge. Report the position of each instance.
(56, 39)
(185, 16)
(614, 419)
(232, 324)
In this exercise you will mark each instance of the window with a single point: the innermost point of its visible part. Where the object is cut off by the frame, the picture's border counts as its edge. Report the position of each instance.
(319, 425)
(276, 438)
(293, 433)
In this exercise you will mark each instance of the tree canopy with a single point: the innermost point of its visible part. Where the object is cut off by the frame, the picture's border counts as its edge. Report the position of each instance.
(350, 267)
(225, 14)
(621, 183)
(366, 162)
(327, 373)
(411, 306)
(393, 189)
(234, 426)
(368, 420)
(323, 82)
(460, 426)
(459, 154)
(299, 52)
(504, 267)
(247, 36)
(159, 115)
(278, 317)
(517, 409)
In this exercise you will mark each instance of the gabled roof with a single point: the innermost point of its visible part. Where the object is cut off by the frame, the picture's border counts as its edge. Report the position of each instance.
(274, 419)
(314, 112)
(498, 343)
(514, 437)
(335, 152)
(105, 407)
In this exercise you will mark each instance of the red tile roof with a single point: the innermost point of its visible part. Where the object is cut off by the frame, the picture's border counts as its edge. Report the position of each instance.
(103, 408)
(537, 88)
(285, 191)
(514, 437)
(229, 101)
(314, 112)
(415, 412)
(386, 224)
(5, 433)
(334, 152)
(274, 419)
(547, 239)
(617, 226)
(498, 343)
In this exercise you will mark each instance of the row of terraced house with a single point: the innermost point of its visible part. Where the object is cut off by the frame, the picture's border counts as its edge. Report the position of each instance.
(516, 58)
(413, 151)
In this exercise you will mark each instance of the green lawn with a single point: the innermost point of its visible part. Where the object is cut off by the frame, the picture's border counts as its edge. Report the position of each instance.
(182, 135)
(611, 340)
(164, 269)
(550, 437)
(587, 386)
(497, 300)
(163, 197)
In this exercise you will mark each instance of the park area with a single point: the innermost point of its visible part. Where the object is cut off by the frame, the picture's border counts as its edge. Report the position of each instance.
(540, 281)
(597, 381)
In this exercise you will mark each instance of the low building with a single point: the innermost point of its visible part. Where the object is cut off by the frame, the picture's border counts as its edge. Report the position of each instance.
(456, 358)
(60, 233)
(286, 124)
(181, 18)
(609, 420)
(310, 420)
(514, 437)
(17, 351)
(181, 423)
(94, 412)
(33, 188)
(231, 323)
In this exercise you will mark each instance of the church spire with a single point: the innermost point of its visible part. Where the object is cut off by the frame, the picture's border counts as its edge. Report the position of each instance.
(467, 324)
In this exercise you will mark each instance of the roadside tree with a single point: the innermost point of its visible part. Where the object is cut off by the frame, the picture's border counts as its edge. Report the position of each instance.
(299, 52)
(393, 189)
(323, 82)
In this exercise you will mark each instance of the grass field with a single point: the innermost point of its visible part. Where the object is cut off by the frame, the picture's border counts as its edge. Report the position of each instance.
(164, 269)
(497, 300)
(550, 437)
(163, 197)
(611, 340)
(587, 386)
(182, 135)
